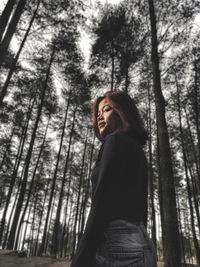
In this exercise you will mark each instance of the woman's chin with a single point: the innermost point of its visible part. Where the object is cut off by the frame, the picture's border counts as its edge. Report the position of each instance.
(105, 133)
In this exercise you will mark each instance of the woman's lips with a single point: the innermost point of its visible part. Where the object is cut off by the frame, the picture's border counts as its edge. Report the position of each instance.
(101, 124)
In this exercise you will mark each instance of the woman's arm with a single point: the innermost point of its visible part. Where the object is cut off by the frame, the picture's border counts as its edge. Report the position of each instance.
(110, 174)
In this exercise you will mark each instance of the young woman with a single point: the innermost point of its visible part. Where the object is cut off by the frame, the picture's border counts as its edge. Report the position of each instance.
(115, 233)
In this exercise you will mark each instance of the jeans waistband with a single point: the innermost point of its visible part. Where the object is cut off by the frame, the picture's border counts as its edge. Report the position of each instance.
(120, 223)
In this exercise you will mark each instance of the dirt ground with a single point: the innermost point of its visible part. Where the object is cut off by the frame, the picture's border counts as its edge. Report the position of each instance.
(13, 261)
(7, 260)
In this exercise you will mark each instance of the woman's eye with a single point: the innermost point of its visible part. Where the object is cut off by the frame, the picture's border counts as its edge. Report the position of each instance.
(108, 109)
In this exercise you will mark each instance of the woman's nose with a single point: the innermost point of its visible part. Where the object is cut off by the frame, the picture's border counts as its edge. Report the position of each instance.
(100, 117)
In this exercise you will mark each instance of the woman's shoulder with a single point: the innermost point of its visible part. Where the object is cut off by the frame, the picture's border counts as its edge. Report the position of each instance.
(121, 143)
(122, 137)
(117, 136)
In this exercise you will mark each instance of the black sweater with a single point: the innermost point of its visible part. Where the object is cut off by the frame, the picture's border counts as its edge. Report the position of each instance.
(119, 191)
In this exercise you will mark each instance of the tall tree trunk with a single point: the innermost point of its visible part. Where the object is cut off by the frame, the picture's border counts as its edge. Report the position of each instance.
(188, 233)
(72, 223)
(27, 161)
(181, 232)
(5, 16)
(194, 190)
(113, 67)
(11, 30)
(127, 79)
(31, 186)
(42, 247)
(83, 208)
(40, 221)
(12, 211)
(16, 167)
(4, 183)
(57, 220)
(66, 207)
(6, 150)
(23, 235)
(127, 69)
(81, 219)
(150, 173)
(69, 231)
(26, 227)
(78, 198)
(12, 68)
(193, 150)
(30, 232)
(49, 226)
(87, 190)
(172, 252)
(33, 226)
(197, 110)
(160, 194)
(196, 245)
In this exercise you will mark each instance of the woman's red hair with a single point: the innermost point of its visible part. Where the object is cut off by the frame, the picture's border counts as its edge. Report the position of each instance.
(126, 109)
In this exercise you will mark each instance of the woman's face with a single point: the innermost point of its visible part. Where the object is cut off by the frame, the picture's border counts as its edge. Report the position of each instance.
(107, 119)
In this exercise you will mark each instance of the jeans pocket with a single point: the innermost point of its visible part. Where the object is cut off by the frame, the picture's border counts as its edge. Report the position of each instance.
(103, 261)
(123, 258)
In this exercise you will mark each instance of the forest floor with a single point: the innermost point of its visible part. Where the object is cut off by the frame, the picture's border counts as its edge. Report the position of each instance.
(9, 258)
(12, 261)
(15, 259)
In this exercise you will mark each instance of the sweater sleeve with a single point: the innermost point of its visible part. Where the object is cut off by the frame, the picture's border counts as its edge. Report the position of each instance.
(104, 195)
(109, 168)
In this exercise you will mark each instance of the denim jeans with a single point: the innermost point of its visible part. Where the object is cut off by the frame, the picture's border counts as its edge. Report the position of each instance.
(125, 244)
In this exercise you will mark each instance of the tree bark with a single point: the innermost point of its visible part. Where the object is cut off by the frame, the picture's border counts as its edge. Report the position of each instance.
(126, 69)
(196, 110)
(193, 150)
(113, 66)
(31, 186)
(51, 217)
(172, 252)
(57, 220)
(8, 145)
(13, 209)
(16, 167)
(27, 161)
(42, 247)
(87, 190)
(78, 199)
(5, 16)
(31, 249)
(196, 245)
(40, 221)
(181, 232)
(66, 208)
(26, 226)
(150, 173)
(11, 30)
(12, 68)
(160, 194)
